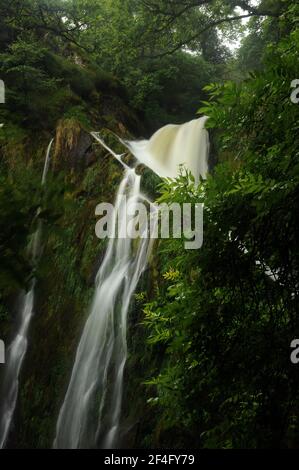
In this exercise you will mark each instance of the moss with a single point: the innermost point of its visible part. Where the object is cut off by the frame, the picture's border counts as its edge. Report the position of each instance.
(79, 114)
(138, 416)
(67, 134)
(83, 78)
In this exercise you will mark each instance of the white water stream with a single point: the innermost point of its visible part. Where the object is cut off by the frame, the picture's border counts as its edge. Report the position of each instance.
(17, 350)
(91, 411)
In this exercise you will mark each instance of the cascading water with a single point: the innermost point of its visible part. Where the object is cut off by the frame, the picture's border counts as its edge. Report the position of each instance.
(102, 351)
(175, 145)
(17, 349)
(91, 411)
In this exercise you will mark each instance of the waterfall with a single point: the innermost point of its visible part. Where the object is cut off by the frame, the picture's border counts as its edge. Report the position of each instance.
(175, 145)
(102, 351)
(91, 411)
(17, 349)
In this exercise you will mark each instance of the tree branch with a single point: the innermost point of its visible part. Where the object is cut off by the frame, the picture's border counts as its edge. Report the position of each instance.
(168, 8)
(213, 24)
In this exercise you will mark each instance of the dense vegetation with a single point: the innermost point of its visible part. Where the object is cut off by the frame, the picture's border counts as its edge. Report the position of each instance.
(225, 316)
(210, 329)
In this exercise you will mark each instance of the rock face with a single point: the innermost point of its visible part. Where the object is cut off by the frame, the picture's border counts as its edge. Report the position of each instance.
(74, 149)
(65, 284)
(72, 146)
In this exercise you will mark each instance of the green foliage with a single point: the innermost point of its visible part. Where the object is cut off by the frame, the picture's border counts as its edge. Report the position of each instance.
(17, 210)
(24, 203)
(224, 321)
(46, 76)
(28, 83)
(162, 87)
(166, 89)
